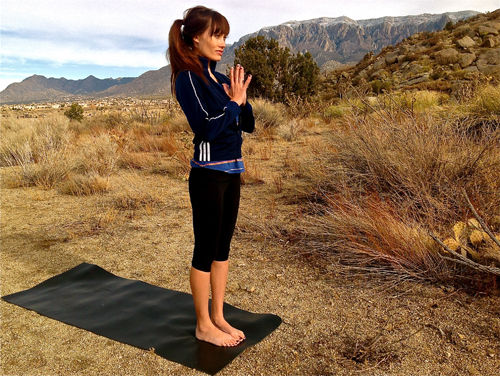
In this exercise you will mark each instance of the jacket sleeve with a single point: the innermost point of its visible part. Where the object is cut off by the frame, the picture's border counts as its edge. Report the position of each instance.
(246, 118)
(205, 125)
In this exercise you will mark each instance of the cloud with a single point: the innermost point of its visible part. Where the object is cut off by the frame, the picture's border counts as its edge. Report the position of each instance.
(104, 51)
(133, 33)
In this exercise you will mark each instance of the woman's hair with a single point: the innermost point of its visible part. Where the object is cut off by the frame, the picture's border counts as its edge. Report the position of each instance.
(181, 52)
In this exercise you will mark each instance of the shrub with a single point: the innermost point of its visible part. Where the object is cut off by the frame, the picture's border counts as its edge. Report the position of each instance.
(75, 112)
(487, 100)
(335, 111)
(378, 86)
(268, 114)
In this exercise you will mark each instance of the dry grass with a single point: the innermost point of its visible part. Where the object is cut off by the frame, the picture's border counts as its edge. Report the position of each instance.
(386, 178)
(323, 203)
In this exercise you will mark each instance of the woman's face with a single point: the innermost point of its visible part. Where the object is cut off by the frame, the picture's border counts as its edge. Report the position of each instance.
(210, 46)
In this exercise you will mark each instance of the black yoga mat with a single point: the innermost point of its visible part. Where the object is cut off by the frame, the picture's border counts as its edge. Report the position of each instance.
(139, 314)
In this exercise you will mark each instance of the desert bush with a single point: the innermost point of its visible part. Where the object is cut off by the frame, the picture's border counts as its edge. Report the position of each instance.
(29, 140)
(97, 154)
(178, 123)
(268, 114)
(335, 111)
(487, 100)
(80, 185)
(75, 112)
(378, 85)
(389, 176)
(291, 129)
(421, 100)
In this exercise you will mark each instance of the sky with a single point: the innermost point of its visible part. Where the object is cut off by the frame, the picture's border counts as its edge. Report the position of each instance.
(125, 38)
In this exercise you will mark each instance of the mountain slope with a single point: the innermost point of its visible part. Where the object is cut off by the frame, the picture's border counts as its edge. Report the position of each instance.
(331, 41)
(442, 60)
(40, 88)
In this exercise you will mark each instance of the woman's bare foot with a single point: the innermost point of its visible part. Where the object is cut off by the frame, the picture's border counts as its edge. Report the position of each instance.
(223, 325)
(215, 336)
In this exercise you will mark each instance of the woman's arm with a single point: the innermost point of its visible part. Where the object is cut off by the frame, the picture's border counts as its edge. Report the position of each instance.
(194, 107)
(246, 119)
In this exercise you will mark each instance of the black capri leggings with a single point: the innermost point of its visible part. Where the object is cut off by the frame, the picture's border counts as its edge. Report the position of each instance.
(215, 199)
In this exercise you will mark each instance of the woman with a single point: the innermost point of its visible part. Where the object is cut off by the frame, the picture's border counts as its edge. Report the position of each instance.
(217, 111)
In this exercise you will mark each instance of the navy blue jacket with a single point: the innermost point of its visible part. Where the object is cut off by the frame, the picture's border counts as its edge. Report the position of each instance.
(216, 121)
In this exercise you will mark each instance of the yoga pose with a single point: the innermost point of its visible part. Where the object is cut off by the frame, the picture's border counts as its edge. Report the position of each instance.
(217, 111)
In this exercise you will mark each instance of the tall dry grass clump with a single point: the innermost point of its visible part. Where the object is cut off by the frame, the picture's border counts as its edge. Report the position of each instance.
(31, 140)
(487, 100)
(48, 153)
(269, 117)
(391, 176)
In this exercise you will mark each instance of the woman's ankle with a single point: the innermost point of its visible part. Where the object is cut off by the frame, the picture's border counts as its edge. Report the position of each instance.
(204, 325)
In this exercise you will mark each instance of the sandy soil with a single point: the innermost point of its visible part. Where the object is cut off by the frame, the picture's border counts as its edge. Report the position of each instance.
(332, 325)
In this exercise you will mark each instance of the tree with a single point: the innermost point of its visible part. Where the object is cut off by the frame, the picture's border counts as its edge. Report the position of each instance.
(75, 112)
(275, 71)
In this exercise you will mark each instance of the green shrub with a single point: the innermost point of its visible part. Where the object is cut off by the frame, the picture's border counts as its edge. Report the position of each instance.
(75, 112)
(334, 111)
(378, 86)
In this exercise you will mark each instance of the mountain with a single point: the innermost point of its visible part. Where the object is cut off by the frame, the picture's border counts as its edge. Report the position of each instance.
(333, 43)
(344, 40)
(40, 88)
(447, 60)
(153, 82)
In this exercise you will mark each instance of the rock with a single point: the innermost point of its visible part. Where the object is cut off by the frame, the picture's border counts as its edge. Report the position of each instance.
(414, 68)
(488, 62)
(466, 42)
(417, 80)
(363, 74)
(488, 42)
(447, 56)
(485, 30)
(404, 49)
(466, 59)
(493, 24)
(380, 63)
(472, 68)
(391, 58)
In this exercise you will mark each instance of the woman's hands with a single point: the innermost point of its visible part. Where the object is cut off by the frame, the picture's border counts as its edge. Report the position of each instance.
(238, 90)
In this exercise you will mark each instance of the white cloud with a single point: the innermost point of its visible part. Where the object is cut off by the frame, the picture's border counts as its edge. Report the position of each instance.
(134, 33)
(69, 52)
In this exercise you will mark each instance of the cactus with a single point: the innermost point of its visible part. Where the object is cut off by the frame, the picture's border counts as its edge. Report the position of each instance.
(460, 230)
(452, 244)
(473, 223)
(483, 247)
(476, 237)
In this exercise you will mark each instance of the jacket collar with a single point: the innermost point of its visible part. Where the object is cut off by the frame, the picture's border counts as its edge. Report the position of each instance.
(205, 62)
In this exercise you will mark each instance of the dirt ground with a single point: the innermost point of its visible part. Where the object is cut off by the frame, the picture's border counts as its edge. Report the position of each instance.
(332, 325)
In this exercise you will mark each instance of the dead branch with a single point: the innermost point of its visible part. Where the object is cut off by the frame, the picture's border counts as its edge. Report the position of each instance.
(464, 260)
(480, 220)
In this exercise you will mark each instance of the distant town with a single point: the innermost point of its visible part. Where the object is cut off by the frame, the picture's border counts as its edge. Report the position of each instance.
(35, 110)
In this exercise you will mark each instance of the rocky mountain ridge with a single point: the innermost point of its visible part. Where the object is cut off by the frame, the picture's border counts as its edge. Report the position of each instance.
(333, 42)
(445, 60)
